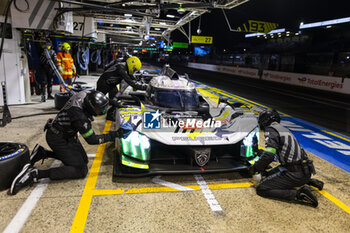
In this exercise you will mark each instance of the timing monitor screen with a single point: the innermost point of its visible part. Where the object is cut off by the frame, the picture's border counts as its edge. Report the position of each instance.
(201, 50)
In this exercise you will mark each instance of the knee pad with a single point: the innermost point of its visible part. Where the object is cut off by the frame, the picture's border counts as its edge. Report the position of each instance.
(84, 171)
(261, 191)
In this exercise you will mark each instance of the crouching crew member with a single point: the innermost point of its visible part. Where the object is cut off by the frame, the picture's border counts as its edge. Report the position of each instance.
(61, 135)
(108, 81)
(295, 168)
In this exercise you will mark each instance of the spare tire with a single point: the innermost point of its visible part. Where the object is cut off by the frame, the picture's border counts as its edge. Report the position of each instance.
(61, 99)
(13, 156)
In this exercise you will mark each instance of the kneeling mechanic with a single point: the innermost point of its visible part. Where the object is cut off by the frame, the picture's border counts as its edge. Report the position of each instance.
(295, 167)
(61, 135)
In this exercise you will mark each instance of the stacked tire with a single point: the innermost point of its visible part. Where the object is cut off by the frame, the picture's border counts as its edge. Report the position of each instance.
(13, 156)
(61, 99)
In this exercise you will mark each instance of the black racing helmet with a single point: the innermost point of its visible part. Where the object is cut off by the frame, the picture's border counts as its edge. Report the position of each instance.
(96, 103)
(267, 117)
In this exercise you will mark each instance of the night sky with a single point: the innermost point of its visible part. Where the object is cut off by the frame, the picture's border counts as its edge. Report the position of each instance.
(287, 13)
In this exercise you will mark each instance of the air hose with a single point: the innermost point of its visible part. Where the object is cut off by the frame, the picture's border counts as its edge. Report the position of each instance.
(96, 57)
(83, 58)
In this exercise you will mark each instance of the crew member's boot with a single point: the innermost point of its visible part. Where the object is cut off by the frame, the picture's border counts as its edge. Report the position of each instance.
(26, 177)
(37, 154)
(305, 195)
(43, 93)
(49, 91)
(316, 183)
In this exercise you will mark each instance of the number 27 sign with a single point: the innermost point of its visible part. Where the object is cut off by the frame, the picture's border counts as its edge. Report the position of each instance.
(202, 39)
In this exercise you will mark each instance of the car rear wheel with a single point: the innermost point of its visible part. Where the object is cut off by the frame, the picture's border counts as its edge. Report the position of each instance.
(13, 156)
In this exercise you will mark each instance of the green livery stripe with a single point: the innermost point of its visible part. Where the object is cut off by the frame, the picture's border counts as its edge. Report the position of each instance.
(88, 133)
(271, 150)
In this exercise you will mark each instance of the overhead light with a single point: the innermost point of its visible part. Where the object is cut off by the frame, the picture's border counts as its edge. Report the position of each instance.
(302, 23)
(325, 23)
(244, 49)
(296, 34)
(254, 34)
(329, 26)
(170, 16)
(279, 35)
(277, 30)
(128, 15)
(280, 30)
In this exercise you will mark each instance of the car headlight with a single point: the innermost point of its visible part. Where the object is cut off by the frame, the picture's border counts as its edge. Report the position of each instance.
(250, 143)
(137, 146)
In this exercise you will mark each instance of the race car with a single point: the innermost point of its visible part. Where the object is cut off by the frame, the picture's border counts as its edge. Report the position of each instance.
(179, 128)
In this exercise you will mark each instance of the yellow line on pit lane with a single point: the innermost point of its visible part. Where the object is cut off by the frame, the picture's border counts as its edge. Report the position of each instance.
(336, 135)
(85, 201)
(104, 192)
(335, 201)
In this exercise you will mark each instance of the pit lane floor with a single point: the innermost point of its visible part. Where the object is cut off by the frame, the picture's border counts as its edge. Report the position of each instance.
(206, 203)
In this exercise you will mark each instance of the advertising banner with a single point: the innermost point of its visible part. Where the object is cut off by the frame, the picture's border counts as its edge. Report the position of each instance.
(246, 72)
(327, 83)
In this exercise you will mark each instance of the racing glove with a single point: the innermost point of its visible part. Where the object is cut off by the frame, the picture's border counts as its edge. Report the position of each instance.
(122, 132)
(114, 134)
(125, 130)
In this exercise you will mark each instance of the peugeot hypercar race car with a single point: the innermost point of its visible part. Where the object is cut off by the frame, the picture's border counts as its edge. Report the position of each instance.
(179, 129)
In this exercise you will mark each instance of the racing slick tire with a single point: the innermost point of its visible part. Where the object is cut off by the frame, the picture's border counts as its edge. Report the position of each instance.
(13, 156)
(61, 99)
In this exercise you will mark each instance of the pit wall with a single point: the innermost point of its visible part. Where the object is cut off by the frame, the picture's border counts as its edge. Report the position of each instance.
(326, 83)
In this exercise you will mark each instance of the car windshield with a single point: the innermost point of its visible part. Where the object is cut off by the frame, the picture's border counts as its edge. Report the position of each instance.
(178, 99)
